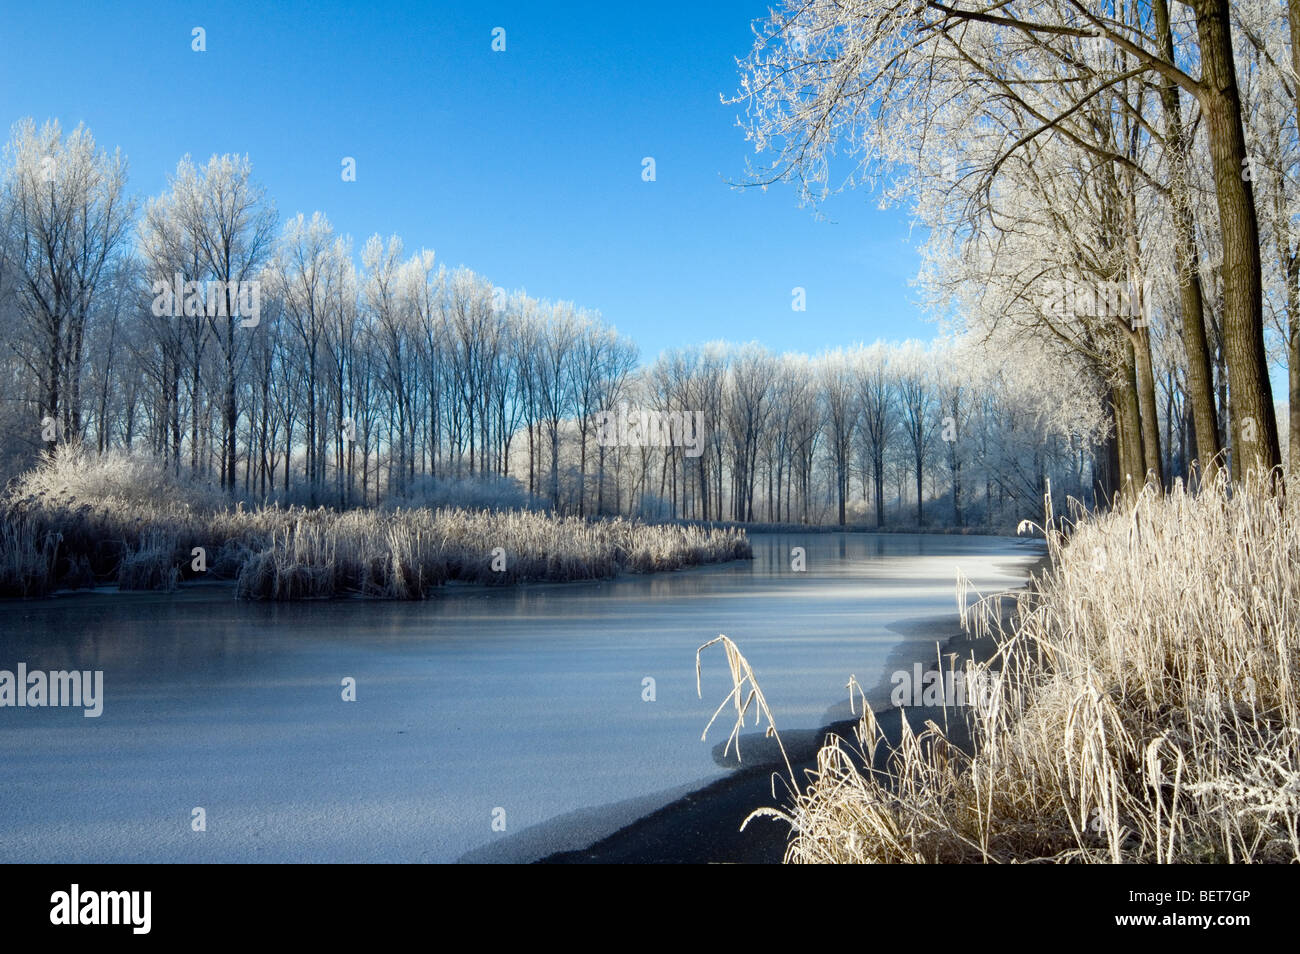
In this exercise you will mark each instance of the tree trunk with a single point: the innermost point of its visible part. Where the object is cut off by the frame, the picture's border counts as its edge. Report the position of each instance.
(1200, 379)
(1254, 426)
(1152, 466)
(1128, 426)
(1293, 282)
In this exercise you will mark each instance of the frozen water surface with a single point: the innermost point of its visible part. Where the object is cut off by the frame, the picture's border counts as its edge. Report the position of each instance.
(524, 699)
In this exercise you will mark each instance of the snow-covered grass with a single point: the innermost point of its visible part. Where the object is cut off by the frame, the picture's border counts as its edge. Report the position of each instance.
(1147, 708)
(79, 518)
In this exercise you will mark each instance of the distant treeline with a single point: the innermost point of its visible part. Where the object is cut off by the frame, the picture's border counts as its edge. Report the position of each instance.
(274, 362)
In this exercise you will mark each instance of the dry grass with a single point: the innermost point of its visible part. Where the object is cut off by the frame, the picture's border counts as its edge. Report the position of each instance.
(81, 519)
(28, 556)
(153, 565)
(746, 696)
(406, 553)
(1145, 710)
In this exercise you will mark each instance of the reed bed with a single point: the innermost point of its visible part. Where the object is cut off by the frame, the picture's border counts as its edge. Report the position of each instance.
(407, 553)
(27, 567)
(1143, 708)
(82, 519)
(149, 566)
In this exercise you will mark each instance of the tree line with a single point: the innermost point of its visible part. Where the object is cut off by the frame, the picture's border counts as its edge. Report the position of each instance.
(281, 363)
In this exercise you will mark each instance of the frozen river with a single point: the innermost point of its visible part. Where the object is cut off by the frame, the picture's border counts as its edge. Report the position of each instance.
(522, 706)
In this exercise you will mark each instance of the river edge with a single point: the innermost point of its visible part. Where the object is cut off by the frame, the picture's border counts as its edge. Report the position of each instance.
(449, 588)
(456, 586)
(703, 827)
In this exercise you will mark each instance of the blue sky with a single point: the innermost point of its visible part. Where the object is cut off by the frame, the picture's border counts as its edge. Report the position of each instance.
(524, 165)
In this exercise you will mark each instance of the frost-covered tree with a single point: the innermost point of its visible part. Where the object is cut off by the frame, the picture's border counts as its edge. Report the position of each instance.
(869, 87)
(68, 217)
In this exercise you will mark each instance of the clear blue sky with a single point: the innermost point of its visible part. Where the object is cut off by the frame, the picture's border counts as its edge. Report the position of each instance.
(524, 165)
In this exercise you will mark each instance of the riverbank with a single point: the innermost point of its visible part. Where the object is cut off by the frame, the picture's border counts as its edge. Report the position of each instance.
(1144, 711)
(703, 827)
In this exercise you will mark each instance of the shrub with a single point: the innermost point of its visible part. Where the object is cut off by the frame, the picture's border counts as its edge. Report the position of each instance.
(73, 473)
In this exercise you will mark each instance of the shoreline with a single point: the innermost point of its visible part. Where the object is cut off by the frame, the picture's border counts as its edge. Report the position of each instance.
(183, 585)
(703, 827)
(444, 589)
